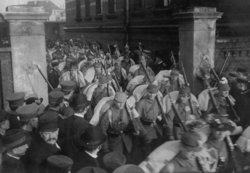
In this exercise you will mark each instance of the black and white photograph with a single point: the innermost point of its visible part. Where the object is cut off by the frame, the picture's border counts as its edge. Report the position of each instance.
(124, 86)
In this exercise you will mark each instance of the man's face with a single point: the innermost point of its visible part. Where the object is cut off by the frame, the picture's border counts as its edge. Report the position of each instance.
(184, 98)
(20, 151)
(5, 125)
(98, 70)
(120, 105)
(152, 95)
(50, 137)
(34, 122)
(225, 93)
(219, 135)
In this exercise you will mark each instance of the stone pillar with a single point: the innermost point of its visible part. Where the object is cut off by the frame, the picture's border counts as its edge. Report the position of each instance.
(197, 29)
(27, 37)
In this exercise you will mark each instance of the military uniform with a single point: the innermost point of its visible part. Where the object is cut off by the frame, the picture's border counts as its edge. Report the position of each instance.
(115, 123)
(149, 111)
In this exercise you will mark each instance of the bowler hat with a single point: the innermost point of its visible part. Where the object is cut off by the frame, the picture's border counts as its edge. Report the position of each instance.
(79, 102)
(16, 99)
(48, 121)
(55, 97)
(13, 138)
(27, 112)
(92, 137)
(91, 170)
(129, 168)
(58, 164)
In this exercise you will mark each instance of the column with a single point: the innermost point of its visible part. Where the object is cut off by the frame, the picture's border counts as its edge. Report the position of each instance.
(197, 29)
(27, 37)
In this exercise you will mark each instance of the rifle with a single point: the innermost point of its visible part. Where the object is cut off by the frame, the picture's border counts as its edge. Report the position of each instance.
(187, 85)
(232, 154)
(46, 80)
(173, 59)
(237, 118)
(106, 73)
(228, 56)
(177, 114)
(165, 116)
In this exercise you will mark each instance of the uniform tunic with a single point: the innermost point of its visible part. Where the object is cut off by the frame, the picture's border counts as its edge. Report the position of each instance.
(184, 111)
(140, 71)
(149, 110)
(115, 123)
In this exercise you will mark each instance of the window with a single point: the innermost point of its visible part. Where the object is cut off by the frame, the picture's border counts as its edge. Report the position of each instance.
(87, 8)
(78, 11)
(98, 7)
(111, 6)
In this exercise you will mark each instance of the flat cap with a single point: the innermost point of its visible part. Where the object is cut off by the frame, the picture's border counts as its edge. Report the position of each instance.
(129, 168)
(55, 97)
(91, 170)
(58, 164)
(27, 112)
(121, 97)
(14, 138)
(67, 86)
(114, 160)
(16, 99)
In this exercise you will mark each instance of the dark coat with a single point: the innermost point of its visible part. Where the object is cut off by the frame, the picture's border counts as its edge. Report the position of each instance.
(37, 154)
(71, 126)
(81, 160)
(13, 118)
(12, 165)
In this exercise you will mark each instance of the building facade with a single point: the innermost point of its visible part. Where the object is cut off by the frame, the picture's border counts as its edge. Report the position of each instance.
(152, 22)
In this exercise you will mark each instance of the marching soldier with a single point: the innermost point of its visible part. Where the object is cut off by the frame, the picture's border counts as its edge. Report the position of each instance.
(186, 160)
(175, 82)
(73, 74)
(149, 112)
(140, 71)
(220, 98)
(221, 128)
(184, 108)
(115, 123)
(102, 90)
